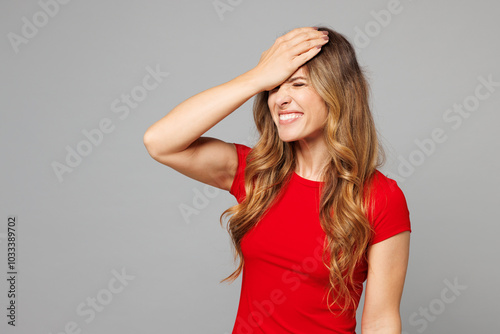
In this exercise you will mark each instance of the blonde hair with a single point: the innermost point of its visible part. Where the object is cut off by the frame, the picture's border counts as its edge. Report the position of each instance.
(355, 153)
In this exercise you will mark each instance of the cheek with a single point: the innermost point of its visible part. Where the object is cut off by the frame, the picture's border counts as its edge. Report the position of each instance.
(269, 106)
(270, 102)
(320, 105)
(323, 111)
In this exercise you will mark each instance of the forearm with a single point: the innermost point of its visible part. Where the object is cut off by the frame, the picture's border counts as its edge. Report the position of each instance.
(196, 115)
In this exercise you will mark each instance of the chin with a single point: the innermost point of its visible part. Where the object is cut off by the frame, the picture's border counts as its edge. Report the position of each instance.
(288, 139)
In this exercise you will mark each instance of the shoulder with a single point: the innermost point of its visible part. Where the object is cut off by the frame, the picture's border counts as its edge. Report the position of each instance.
(242, 149)
(385, 190)
(238, 185)
(387, 207)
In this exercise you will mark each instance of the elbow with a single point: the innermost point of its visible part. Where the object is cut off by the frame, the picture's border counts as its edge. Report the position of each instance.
(156, 145)
(150, 143)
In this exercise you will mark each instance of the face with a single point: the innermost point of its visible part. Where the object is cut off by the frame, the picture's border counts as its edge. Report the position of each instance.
(297, 110)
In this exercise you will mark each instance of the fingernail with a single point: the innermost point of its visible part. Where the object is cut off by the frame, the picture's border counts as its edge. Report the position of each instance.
(324, 32)
(325, 38)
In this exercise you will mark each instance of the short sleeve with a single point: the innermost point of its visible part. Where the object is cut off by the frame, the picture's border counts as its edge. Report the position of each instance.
(238, 185)
(390, 215)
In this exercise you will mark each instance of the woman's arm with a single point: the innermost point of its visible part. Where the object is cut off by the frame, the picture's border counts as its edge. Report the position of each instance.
(175, 140)
(387, 264)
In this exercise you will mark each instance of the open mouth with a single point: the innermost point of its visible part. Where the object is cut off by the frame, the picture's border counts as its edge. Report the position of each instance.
(289, 118)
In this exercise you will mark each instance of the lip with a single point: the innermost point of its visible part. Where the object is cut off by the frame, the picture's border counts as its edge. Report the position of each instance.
(289, 112)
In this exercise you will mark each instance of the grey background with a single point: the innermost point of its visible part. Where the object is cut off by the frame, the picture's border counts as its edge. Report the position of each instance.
(120, 210)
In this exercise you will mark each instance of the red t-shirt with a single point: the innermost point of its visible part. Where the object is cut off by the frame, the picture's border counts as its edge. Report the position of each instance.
(284, 282)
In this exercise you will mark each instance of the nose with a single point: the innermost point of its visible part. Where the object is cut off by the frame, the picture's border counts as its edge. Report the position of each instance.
(282, 98)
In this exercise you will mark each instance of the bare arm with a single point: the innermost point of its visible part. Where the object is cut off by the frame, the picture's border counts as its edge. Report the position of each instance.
(175, 140)
(387, 265)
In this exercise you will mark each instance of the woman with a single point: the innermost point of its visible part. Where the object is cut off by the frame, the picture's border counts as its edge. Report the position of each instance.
(315, 218)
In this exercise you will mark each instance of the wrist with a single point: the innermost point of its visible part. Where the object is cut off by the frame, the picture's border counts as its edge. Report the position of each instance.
(251, 81)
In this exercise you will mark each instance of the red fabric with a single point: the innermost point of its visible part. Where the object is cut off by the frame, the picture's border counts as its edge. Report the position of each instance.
(284, 282)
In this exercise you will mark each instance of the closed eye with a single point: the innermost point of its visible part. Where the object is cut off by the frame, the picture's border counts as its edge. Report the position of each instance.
(298, 84)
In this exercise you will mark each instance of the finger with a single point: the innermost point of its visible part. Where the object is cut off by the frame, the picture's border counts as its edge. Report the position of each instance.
(314, 36)
(295, 32)
(307, 45)
(304, 57)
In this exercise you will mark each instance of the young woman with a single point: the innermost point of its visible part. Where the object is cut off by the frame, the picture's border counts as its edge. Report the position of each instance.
(315, 218)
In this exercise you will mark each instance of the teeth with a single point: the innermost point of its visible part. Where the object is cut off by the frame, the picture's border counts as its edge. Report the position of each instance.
(289, 116)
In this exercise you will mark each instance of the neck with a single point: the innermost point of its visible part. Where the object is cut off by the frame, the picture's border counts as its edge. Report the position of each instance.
(311, 158)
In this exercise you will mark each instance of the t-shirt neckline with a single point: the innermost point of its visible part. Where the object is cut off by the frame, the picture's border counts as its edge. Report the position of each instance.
(307, 182)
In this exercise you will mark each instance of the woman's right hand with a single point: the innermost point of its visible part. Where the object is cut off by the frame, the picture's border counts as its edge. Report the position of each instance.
(286, 55)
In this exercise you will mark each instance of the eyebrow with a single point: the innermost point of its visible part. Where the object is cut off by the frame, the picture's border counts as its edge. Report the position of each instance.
(295, 78)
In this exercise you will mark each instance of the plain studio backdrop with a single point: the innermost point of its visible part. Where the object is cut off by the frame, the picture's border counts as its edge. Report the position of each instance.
(107, 240)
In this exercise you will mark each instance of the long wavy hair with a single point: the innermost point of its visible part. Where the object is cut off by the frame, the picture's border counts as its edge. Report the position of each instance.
(355, 153)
